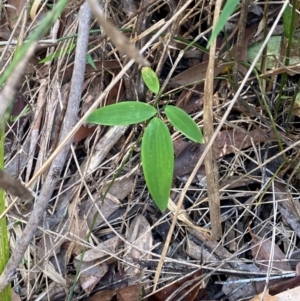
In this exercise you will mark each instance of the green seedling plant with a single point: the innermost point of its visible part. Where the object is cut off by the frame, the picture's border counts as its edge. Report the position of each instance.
(157, 153)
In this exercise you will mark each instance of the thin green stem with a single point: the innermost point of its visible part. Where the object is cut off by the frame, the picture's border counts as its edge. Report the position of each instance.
(5, 295)
(267, 108)
(287, 55)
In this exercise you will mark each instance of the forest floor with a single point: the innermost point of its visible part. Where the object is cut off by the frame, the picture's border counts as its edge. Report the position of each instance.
(101, 236)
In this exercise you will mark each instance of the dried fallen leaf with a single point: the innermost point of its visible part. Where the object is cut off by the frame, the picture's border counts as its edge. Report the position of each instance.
(187, 295)
(289, 295)
(195, 74)
(139, 235)
(261, 251)
(225, 143)
(101, 251)
(104, 296)
(130, 293)
(284, 285)
(199, 252)
(82, 133)
(90, 274)
(14, 186)
(107, 206)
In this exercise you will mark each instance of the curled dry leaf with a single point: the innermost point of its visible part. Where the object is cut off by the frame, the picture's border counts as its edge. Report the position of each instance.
(195, 74)
(130, 293)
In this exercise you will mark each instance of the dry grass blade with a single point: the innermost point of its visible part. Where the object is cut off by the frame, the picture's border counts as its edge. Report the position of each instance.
(8, 91)
(117, 38)
(70, 121)
(184, 218)
(211, 168)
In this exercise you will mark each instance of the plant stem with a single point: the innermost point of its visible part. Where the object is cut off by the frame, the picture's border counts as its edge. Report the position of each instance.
(287, 54)
(5, 295)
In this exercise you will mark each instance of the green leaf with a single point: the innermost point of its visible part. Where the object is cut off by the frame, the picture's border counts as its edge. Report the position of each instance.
(90, 60)
(57, 54)
(123, 113)
(287, 19)
(150, 79)
(184, 123)
(228, 9)
(158, 161)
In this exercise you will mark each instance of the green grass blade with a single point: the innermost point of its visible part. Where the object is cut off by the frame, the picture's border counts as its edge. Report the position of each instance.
(39, 32)
(158, 161)
(184, 123)
(90, 60)
(59, 53)
(228, 9)
(5, 295)
(123, 113)
(287, 21)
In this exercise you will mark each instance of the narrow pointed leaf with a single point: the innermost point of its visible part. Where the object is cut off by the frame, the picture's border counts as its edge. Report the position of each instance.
(184, 123)
(123, 113)
(228, 9)
(90, 60)
(158, 161)
(287, 20)
(150, 79)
